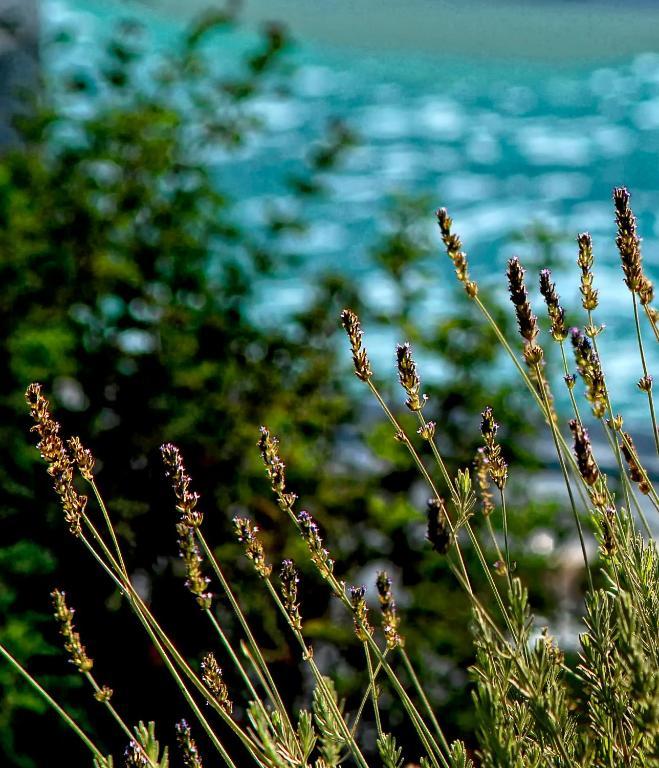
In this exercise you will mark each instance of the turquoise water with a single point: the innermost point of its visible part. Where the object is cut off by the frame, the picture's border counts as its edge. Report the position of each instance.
(502, 143)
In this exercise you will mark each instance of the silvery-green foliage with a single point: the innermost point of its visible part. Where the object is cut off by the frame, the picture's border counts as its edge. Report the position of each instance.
(331, 741)
(144, 752)
(390, 754)
(306, 734)
(283, 747)
(458, 757)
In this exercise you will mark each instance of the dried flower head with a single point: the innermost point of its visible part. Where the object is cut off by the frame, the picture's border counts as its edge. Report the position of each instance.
(246, 533)
(554, 308)
(187, 499)
(481, 465)
(635, 469)
(189, 552)
(289, 580)
(187, 745)
(427, 430)
(409, 378)
(211, 674)
(310, 533)
(627, 240)
(439, 529)
(103, 694)
(72, 644)
(589, 367)
(275, 467)
(584, 453)
(83, 458)
(496, 464)
(645, 383)
(353, 328)
(54, 453)
(360, 613)
(390, 620)
(589, 298)
(134, 756)
(645, 290)
(455, 253)
(526, 320)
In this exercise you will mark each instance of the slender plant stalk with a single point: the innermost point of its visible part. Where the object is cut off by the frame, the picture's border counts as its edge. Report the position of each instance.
(566, 477)
(53, 704)
(653, 325)
(374, 691)
(646, 375)
(271, 688)
(320, 681)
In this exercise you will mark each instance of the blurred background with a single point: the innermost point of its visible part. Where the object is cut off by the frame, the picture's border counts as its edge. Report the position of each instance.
(188, 198)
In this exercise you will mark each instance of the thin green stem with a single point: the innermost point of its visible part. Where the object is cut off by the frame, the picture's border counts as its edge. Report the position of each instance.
(653, 325)
(110, 527)
(271, 688)
(18, 667)
(561, 461)
(162, 642)
(646, 375)
(118, 719)
(504, 515)
(320, 681)
(366, 696)
(422, 695)
(374, 691)
(234, 658)
(417, 460)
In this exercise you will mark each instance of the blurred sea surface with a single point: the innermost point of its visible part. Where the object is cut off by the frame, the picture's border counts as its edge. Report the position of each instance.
(510, 115)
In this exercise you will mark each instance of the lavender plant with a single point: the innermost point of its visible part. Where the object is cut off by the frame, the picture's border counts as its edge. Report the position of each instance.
(533, 707)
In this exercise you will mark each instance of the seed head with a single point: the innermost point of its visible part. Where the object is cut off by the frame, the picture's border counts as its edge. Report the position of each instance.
(584, 453)
(481, 465)
(555, 310)
(645, 383)
(526, 320)
(409, 378)
(455, 253)
(427, 431)
(211, 674)
(627, 240)
(187, 500)
(104, 694)
(289, 580)
(390, 620)
(72, 644)
(496, 464)
(608, 544)
(54, 453)
(187, 745)
(353, 328)
(589, 298)
(635, 469)
(83, 458)
(645, 290)
(589, 367)
(439, 530)
(275, 468)
(189, 552)
(134, 756)
(246, 533)
(319, 555)
(360, 613)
